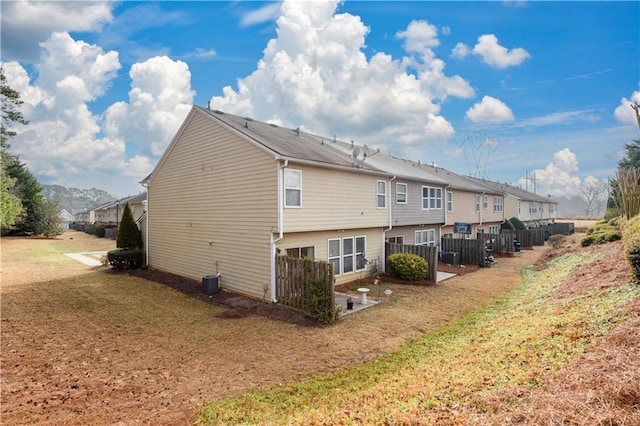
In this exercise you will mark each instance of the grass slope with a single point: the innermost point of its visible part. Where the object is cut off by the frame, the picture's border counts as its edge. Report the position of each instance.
(446, 376)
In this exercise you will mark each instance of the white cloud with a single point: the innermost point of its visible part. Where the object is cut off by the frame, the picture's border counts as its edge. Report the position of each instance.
(315, 74)
(563, 117)
(266, 13)
(66, 143)
(558, 178)
(159, 100)
(490, 110)
(491, 52)
(624, 113)
(25, 24)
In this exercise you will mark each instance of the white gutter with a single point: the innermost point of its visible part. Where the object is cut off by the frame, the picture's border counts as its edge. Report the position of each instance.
(384, 231)
(481, 207)
(146, 228)
(279, 169)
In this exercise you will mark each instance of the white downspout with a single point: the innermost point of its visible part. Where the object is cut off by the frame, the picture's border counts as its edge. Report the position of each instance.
(146, 230)
(279, 168)
(384, 231)
(446, 216)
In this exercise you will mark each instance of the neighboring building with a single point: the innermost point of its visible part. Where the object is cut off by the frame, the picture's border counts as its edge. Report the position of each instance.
(111, 213)
(471, 205)
(531, 209)
(230, 193)
(66, 218)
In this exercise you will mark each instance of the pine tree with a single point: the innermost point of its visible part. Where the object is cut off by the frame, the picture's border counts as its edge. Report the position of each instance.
(128, 234)
(47, 220)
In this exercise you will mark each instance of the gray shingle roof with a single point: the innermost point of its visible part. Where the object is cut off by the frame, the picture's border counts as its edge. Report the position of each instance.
(292, 144)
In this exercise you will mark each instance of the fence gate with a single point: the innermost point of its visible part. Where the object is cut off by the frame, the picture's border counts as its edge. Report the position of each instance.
(292, 276)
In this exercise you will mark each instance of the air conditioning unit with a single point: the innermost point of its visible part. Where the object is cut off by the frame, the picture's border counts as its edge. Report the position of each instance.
(450, 257)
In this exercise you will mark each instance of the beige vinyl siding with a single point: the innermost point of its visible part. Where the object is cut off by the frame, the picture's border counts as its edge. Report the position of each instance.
(409, 232)
(320, 241)
(464, 209)
(335, 199)
(412, 213)
(212, 208)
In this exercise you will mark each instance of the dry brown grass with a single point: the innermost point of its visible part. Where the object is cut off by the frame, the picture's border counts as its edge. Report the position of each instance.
(83, 346)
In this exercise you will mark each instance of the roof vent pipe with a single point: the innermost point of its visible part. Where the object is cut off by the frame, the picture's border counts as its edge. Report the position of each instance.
(209, 105)
(297, 131)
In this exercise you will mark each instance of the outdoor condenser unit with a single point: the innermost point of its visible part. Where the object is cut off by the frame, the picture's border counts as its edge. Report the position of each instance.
(450, 257)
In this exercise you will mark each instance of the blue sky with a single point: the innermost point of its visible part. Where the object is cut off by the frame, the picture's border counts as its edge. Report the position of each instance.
(500, 90)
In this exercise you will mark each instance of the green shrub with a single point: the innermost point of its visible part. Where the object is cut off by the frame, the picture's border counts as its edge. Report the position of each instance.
(317, 301)
(129, 235)
(517, 224)
(98, 230)
(507, 225)
(125, 258)
(601, 234)
(556, 241)
(407, 266)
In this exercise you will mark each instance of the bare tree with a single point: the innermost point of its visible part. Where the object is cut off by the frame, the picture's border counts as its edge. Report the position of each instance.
(595, 194)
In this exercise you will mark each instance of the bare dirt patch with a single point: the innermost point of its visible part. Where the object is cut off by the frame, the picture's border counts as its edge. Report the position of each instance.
(85, 345)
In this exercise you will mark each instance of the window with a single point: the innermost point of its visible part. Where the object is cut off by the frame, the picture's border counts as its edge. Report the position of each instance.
(361, 261)
(293, 188)
(485, 202)
(431, 198)
(425, 237)
(334, 255)
(301, 252)
(493, 229)
(449, 201)
(396, 240)
(382, 194)
(498, 205)
(477, 203)
(348, 253)
(401, 193)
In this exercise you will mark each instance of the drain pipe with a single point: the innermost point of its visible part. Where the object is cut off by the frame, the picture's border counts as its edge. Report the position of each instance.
(280, 226)
(384, 231)
(146, 229)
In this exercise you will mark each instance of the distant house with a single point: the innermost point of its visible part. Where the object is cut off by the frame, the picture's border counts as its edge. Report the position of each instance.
(111, 213)
(66, 218)
(470, 206)
(230, 193)
(531, 209)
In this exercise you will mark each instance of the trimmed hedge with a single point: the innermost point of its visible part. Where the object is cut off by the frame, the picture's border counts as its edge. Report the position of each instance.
(125, 258)
(408, 266)
(631, 239)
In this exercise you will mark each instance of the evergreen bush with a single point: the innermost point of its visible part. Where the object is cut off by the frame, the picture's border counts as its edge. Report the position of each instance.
(125, 258)
(129, 236)
(408, 266)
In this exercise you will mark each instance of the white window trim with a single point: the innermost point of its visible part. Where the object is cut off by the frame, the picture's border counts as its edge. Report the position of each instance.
(449, 201)
(429, 240)
(498, 204)
(405, 193)
(485, 202)
(378, 194)
(477, 202)
(353, 255)
(292, 188)
(436, 198)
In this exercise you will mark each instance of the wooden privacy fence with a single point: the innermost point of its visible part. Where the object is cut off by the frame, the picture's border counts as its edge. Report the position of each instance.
(470, 252)
(502, 242)
(430, 253)
(293, 276)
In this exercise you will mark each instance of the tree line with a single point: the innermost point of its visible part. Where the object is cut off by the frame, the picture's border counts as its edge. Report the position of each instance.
(23, 209)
